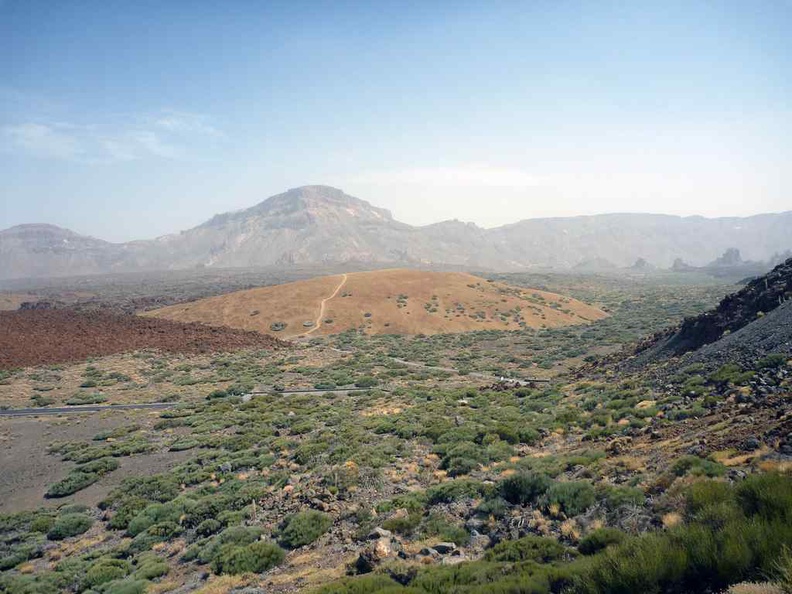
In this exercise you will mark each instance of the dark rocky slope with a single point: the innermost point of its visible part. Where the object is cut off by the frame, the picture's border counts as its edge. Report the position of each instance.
(758, 317)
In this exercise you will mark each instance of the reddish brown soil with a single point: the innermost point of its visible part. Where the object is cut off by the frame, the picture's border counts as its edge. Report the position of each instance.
(42, 337)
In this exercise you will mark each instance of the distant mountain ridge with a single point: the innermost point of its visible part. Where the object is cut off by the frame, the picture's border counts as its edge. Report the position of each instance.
(320, 224)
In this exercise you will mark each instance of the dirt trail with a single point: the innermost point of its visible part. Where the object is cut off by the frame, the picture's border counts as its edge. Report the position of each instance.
(320, 317)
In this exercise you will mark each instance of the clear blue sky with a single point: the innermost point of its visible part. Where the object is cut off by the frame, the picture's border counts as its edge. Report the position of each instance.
(132, 119)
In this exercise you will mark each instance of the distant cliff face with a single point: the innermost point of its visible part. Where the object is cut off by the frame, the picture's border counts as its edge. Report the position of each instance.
(318, 224)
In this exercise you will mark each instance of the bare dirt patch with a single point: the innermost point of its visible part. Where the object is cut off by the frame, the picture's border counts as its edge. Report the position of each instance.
(26, 469)
(42, 337)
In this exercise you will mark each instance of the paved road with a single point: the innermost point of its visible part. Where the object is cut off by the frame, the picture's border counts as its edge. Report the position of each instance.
(20, 412)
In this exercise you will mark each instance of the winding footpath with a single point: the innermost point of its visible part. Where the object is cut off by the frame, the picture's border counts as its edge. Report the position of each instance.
(320, 317)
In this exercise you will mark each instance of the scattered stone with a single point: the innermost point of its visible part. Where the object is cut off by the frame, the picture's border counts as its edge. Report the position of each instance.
(444, 548)
(380, 533)
(375, 553)
(429, 552)
(319, 504)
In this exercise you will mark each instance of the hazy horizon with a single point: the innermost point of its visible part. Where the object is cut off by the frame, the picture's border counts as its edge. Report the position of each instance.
(138, 122)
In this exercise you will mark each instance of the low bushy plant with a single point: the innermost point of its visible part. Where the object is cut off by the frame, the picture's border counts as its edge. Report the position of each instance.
(303, 528)
(69, 525)
(600, 539)
(256, 557)
(529, 548)
(106, 570)
(573, 497)
(523, 488)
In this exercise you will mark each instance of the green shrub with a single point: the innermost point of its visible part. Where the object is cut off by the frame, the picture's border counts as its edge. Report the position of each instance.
(236, 535)
(106, 570)
(99, 466)
(574, 497)
(767, 495)
(42, 524)
(366, 584)
(73, 482)
(304, 528)
(454, 490)
(69, 525)
(697, 467)
(772, 361)
(126, 586)
(151, 567)
(496, 507)
(459, 465)
(507, 433)
(41, 400)
(366, 382)
(705, 493)
(599, 539)
(12, 558)
(125, 511)
(529, 548)
(529, 436)
(404, 525)
(256, 557)
(731, 373)
(524, 488)
(79, 399)
(208, 527)
(445, 529)
(462, 458)
(615, 497)
(157, 513)
(74, 508)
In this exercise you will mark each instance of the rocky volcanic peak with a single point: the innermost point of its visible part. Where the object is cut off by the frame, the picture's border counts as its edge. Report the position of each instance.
(306, 205)
(307, 225)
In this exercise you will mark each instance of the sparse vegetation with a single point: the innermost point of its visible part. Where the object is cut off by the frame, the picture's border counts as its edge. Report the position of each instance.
(598, 481)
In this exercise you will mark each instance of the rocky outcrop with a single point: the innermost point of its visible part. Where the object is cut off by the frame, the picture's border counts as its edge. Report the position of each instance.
(382, 545)
(747, 306)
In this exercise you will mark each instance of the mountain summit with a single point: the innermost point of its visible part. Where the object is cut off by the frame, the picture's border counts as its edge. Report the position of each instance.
(320, 224)
(307, 205)
(310, 224)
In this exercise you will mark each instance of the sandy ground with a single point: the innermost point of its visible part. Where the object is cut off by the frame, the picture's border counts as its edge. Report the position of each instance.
(26, 469)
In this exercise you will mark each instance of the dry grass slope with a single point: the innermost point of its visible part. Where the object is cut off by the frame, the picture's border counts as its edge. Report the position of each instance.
(386, 302)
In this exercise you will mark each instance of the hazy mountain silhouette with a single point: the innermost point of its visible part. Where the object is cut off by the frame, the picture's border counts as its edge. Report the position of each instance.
(320, 224)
